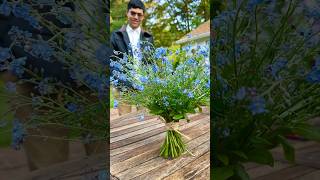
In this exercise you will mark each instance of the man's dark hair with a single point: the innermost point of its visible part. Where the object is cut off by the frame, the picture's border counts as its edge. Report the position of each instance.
(136, 4)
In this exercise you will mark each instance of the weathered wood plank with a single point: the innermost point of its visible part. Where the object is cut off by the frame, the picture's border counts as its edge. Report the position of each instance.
(153, 151)
(122, 122)
(143, 131)
(135, 148)
(204, 175)
(156, 144)
(136, 133)
(132, 118)
(114, 114)
(298, 145)
(136, 138)
(309, 159)
(93, 163)
(287, 173)
(315, 175)
(138, 125)
(264, 170)
(146, 135)
(135, 128)
(304, 155)
(251, 165)
(160, 167)
(115, 131)
(172, 166)
(191, 170)
(114, 178)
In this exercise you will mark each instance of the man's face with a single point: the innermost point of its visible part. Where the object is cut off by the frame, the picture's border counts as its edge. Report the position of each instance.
(135, 17)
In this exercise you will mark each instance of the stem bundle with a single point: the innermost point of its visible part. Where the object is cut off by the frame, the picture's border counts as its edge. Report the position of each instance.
(173, 145)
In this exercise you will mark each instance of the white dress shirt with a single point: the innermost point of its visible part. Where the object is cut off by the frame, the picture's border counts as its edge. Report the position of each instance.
(134, 37)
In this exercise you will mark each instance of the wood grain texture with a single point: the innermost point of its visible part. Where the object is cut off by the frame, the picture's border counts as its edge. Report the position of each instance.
(133, 127)
(306, 166)
(133, 118)
(73, 168)
(139, 156)
(315, 175)
(149, 136)
(308, 156)
(264, 170)
(287, 173)
(191, 170)
(204, 175)
(135, 147)
(160, 167)
(136, 133)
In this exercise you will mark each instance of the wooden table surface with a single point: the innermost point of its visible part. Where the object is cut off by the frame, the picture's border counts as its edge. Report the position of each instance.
(306, 167)
(135, 147)
(135, 155)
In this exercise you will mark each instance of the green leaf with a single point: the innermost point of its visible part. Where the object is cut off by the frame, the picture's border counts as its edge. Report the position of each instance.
(241, 172)
(283, 130)
(288, 149)
(245, 132)
(192, 110)
(260, 141)
(307, 131)
(223, 158)
(222, 173)
(240, 154)
(261, 156)
(157, 111)
(177, 117)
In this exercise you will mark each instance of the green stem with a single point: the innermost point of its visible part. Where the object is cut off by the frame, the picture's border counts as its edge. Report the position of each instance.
(278, 33)
(234, 36)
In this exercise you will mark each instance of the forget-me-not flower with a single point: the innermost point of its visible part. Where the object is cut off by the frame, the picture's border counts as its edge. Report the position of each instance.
(257, 105)
(18, 134)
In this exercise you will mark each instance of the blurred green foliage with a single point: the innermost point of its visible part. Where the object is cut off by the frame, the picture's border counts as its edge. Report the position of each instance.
(5, 129)
(168, 21)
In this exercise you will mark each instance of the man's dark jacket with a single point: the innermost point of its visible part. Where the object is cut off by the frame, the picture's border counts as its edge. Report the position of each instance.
(120, 42)
(120, 39)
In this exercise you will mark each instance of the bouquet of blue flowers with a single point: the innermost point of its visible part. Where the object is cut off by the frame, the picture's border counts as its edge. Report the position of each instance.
(62, 54)
(165, 89)
(266, 58)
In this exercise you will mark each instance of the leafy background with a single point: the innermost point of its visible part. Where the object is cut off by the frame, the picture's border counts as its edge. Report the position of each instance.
(164, 19)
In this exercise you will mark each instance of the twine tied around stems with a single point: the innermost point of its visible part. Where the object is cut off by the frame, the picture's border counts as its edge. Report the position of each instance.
(174, 126)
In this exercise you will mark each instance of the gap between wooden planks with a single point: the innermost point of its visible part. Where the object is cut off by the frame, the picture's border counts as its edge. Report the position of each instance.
(159, 167)
(136, 151)
(148, 137)
(151, 120)
(120, 165)
(138, 156)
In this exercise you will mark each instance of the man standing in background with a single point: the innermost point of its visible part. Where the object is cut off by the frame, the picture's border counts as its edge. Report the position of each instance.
(127, 38)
